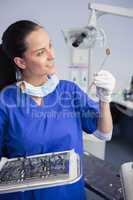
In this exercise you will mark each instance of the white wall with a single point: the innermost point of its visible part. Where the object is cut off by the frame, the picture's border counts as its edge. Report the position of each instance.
(61, 14)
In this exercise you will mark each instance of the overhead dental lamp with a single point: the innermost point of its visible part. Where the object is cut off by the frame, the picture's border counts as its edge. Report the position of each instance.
(87, 36)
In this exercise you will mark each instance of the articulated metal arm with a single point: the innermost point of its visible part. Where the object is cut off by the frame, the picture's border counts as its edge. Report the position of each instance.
(109, 9)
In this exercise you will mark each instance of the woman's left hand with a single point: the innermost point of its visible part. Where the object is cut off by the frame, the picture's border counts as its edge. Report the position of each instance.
(105, 83)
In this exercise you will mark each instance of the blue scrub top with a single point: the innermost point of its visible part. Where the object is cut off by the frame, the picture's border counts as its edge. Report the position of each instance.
(57, 125)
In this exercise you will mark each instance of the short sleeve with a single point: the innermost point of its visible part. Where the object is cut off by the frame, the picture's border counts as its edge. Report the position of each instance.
(88, 109)
(3, 128)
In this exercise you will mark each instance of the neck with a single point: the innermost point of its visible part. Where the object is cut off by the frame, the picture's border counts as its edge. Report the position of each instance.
(35, 81)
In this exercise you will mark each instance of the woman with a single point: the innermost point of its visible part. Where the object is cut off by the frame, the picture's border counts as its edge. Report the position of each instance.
(38, 112)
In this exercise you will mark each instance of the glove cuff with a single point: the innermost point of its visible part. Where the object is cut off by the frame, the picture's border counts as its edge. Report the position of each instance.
(106, 99)
(103, 95)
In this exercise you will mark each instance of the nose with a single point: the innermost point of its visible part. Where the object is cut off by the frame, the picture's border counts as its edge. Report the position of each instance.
(50, 54)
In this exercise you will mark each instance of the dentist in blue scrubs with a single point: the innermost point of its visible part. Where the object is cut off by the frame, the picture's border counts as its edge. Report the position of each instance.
(40, 113)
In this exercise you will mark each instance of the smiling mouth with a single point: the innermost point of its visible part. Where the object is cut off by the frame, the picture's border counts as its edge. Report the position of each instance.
(51, 65)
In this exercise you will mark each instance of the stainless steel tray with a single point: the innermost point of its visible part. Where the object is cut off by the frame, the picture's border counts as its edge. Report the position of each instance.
(39, 171)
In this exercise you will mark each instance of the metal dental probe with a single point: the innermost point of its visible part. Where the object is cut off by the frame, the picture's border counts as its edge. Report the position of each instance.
(108, 52)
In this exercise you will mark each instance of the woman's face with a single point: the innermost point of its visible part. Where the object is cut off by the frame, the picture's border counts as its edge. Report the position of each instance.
(39, 56)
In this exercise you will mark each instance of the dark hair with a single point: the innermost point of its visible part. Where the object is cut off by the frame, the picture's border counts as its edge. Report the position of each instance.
(13, 44)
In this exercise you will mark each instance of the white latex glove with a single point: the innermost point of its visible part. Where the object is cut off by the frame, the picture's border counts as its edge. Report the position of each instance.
(105, 83)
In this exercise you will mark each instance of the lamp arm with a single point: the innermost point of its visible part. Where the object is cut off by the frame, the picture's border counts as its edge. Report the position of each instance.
(102, 9)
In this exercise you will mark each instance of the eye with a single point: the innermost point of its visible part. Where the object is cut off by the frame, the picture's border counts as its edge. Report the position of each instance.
(39, 53)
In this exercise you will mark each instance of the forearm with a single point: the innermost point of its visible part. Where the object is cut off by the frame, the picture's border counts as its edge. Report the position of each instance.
(105, 119)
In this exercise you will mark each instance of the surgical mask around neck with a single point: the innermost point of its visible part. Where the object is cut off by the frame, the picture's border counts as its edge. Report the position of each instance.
(40, 91)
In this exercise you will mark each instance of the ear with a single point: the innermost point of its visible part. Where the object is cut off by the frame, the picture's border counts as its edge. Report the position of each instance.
(20, 62)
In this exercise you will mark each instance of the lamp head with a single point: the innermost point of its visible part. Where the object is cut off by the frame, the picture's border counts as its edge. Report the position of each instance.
(84, 37)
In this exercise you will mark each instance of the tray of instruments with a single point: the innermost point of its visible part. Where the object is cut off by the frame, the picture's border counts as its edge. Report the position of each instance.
(39, 171)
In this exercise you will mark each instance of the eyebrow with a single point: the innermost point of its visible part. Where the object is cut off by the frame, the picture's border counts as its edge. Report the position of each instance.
(39, 49)
(43, 48)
